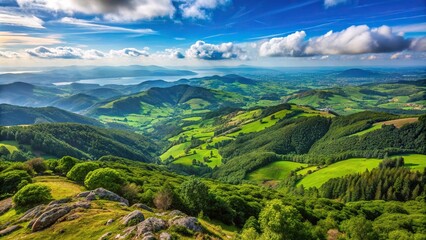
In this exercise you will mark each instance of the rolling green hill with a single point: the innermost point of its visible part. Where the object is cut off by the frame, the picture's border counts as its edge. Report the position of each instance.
(80, 141)
(15, 115)
(76, 103)
(399, 97)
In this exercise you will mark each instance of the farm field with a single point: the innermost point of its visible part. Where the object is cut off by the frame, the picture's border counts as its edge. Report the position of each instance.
(275, 171)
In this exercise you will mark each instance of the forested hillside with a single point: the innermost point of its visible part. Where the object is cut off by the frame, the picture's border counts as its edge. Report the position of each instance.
(80, 141)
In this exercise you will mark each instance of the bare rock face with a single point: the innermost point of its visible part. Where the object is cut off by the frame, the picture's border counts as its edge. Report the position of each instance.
(5, 205)
(148, 236)
(48, 218)
(190, 223)
(32, 213)
(9, 230)
(101, 193)
(133, 218)
(165, 236)
(151, 224)
(176, 213)
(142, 206)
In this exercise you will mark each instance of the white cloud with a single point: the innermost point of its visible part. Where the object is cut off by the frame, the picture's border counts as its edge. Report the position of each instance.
(23, 39)
(9, 54)
(357, 40)
(197, 9)
(410, 28)
(16, 19)
(171, 53)
(353, 40)
(101, 27)
(65, 53)
(418, 44)
(113, 10)
(292, 45)
(130, 52)
(206, 51)
(332, 3)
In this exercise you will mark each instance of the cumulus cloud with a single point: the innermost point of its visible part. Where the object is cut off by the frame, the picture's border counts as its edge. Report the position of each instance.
(9, 54)
(206, 51)
(16, 19)
(357, 40)
(171, 53)
(113, 10)
(197, 9)
(332, 3)
(130, 52)
(65, 53)
(292, 45)
(418, 44)
(353, 40)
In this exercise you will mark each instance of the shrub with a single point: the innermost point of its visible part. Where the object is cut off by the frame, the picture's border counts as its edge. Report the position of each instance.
(130, 192)
(106, 178)
(80, 170)
(194, 195)
(163, 198)
(37, 164)
(32, 194)
(9, 181)
(65, 164)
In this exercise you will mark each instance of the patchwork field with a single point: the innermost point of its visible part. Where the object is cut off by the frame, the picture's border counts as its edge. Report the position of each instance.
(398, 123)
(275, 171)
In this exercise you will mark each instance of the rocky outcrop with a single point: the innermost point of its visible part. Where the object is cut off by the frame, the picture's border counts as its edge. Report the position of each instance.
(32, 213)
(190, 223)
(48, 218)
(101, 193)
(148, 236)
(165, 236)
(142, 206)
(133, 218)
(105, 236)
(151, 224)
(176, 213)
(9, 230)
(5, 205)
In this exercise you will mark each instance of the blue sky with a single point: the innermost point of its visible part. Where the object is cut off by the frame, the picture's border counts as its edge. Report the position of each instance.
(212, 32)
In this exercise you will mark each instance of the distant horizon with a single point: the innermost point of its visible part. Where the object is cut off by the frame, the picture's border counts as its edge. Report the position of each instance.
(198, 33)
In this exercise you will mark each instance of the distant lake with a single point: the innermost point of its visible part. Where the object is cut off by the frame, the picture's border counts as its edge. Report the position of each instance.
(136, 80)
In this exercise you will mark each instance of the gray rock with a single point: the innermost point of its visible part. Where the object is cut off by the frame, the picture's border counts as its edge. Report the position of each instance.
(49, 218)
(142, 206)
(101, 193)
(151, 224)
(126, 233)
(83, 194)
(9, 230)
(109, 222)
(165, 236)
(81, 204)
(105, 236)
(133, 218)
(176, 213)
(148, 236)
(60, 201)
(190, 223)
(32, 213)
(5, 205)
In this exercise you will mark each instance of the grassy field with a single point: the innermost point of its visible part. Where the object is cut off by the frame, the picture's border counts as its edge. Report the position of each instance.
(306, 170)
(10, 145)
(275, 171)
(397, 123)
(60, 186)
(416, 162)
(339, 169)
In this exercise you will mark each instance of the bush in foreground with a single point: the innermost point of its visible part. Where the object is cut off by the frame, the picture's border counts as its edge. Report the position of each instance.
(106, 178)
(32, 194)
(80, 170)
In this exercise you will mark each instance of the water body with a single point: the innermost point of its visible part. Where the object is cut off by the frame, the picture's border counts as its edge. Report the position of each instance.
(136, 80)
